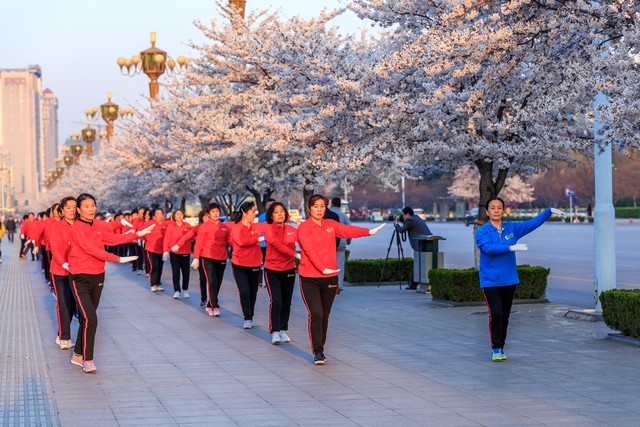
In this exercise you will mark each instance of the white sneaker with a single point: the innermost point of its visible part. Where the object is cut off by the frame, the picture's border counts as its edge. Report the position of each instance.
(140, 272)
(275, 338)
(185, 294)
(154, 288)
(248, 324)
(216, 312)
(66, 344)
(176, 295)
(159, 287)
(57, 340)
(284, 336)
(209, 311)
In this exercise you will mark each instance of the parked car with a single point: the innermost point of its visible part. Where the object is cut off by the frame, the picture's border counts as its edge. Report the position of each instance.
(471, 217)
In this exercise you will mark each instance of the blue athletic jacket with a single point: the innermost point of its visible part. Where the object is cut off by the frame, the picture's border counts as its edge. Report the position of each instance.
(497, 262)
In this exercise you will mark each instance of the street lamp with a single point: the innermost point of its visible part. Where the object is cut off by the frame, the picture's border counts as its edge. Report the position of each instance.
(76, 147)
(88, 136)
(153, 62)
(109, 112)
(66, 158)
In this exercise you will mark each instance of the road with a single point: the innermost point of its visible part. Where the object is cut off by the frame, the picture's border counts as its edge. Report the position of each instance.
(567, 249)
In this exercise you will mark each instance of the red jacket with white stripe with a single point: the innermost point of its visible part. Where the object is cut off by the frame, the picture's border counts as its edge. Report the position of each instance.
(87, 254)
(245, 244)
(281, 247)
(173, 234)
(318, 245)
(212, 241)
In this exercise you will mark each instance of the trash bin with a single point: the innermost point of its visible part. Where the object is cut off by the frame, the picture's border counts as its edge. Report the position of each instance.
(428, 257)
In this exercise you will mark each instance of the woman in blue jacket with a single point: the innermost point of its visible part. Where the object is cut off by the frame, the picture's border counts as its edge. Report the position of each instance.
(498, 243)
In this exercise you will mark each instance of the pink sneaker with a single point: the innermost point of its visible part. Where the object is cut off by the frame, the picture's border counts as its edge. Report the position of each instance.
(203, 303)
(209, 311)
(76, 359)
(216, 312)
(88, 367)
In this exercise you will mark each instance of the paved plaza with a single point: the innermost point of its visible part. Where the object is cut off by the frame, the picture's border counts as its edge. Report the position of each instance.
(394, 359)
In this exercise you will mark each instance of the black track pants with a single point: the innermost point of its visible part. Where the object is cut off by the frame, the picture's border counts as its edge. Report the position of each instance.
(318, 295)
(87, 289)
(280, 287)
(499, 300)
(155, 265)
(213, 270)
(65, 305)
(248, 281)
(180, 264)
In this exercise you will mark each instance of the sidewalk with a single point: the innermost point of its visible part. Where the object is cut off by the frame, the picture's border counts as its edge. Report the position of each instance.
(394, 359)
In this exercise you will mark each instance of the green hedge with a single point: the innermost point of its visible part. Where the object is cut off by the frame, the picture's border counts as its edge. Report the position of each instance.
(368, 270)
(621, 310)
(627, 212)
(464, 285)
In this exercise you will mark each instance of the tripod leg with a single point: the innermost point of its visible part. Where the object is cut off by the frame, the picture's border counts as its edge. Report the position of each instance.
(386, 258)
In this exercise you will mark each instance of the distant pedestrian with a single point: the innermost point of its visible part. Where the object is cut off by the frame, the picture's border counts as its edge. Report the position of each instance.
(417, 229)
(318, 268)
(498, 242)
(11, 227)
(86, 261)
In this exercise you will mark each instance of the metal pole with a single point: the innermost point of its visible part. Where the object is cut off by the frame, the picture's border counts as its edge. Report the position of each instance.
(570, 209)
(603, 212)
(403, 200)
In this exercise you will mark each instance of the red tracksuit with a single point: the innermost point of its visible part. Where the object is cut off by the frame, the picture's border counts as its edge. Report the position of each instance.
(318, 251)
(179, 259)
(154, 249)
(203, 278)
(86, 264)
(245, 263)
(211, 248)
(280, 273)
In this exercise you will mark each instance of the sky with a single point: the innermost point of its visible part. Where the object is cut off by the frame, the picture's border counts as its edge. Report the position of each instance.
(77, 43)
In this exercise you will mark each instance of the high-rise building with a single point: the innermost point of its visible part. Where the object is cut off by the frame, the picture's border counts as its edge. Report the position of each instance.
(49, 131)
(21, 134)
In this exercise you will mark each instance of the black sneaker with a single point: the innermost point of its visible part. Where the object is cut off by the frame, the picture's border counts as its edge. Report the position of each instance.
(319, 359)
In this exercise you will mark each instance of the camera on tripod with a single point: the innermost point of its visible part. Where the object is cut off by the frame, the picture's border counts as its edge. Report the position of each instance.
(393, 217)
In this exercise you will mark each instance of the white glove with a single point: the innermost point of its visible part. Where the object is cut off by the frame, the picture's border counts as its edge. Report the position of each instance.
(165, 256)
(146, 231)
(195, 263)
(518, 247)
(22, 237)
(558, 212)
(125, 223)
(34, 250)
(126, 259)
(375, 230)
(330, 271)
(297, 256)
(66, 266)
(175, 248)
(261, 239)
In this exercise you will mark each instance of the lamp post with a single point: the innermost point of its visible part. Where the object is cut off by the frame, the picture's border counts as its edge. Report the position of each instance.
(88, 136)
(239, 5)
(109, 112)
(66, 158)
(153, 62)
(76, 147)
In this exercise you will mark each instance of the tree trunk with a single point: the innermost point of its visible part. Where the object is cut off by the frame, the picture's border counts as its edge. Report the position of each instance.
(488, 188)
(183, 204)
(307, 192)
(261, 198)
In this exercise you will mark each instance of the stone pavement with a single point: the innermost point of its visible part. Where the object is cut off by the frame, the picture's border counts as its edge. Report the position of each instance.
(394, 359)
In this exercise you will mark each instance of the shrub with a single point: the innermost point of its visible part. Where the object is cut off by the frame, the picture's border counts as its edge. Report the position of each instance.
(464, 285)
(621, 310)
(627, 212)
(368, 270)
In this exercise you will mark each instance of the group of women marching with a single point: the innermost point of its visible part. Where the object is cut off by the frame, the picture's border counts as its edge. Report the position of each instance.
(73, 241)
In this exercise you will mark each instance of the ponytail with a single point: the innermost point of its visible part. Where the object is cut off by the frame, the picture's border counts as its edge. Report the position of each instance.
(244, 208)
